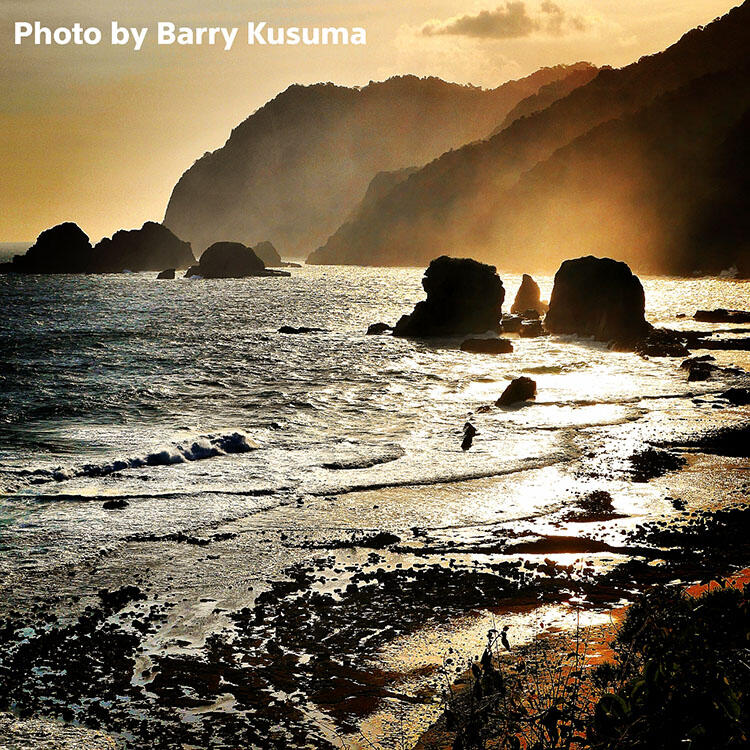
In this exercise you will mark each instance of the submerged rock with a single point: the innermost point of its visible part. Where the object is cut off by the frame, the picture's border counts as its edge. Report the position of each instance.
(117, 504)
(487, 346)
(662, 342)
(720, 315)
(737, 396)
(64, 248)
(469, 433)
(520, 389)
(699, 368)
(463, 296)
(528, 297)
(150, 248)
(302, 329)
(598, 297)
(169, 273)
(375, 329)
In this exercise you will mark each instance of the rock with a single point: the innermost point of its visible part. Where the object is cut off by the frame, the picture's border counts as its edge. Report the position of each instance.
(230, 260)
(168, 274)
(487, 346)
(117, 504)
(150, 248)
(720, 315)
(597, 297)
(520, 389)
(699, 368)
(511, 323)
(379, 541)
(662, 342)
(375, 329)
(193, 272)
(528, 297)
(268, 254)
(531, 329)
(530, 314)
(64, 248)
(737, 396)
(303, 329)
(463, 296)
(469, 433)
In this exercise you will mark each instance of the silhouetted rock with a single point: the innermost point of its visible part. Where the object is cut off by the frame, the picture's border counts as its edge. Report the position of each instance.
(528, 296)
(722, 316)
(737, 396)
(64, 248)
(531, 329)
(487, 346)
(463, 296)
(662, 342)
(302, 329)
(230, 260)
(597, 297)
(699, 368)
(520, 389)
(169, 273)
(116, 504)
(375, 329)
(150, 248)
(193, 271)
(270, 256)
(511, 323)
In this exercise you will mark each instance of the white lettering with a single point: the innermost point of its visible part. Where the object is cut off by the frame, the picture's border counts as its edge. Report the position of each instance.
(23, 29)
(254, 32)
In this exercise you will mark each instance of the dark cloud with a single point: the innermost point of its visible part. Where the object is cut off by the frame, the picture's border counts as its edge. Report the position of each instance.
(509, 21)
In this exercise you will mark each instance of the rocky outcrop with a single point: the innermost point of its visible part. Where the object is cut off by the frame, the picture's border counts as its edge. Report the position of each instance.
(230, 260)
(169, 273)
(376, 329)
(294, 170)
(531, 329)
(302, 329)
(150, 248)
(598, 297)
(487, 346)
(662, 342)
(463, 296)
(64, 248)
(520, 389)
(528, 297)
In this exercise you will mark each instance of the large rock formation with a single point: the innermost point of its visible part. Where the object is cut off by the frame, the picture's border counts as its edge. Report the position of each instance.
(463, 296)
(230, 260)
(150, 248)
(597, 297)
(64, 248)
(268, 254)
(603, 169)
(294, 170)
(528, 297)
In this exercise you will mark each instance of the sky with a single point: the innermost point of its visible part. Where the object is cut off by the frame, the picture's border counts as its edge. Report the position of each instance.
(100, 134)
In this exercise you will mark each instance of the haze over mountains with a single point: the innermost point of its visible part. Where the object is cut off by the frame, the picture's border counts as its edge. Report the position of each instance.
(640, 163)
(294, 170)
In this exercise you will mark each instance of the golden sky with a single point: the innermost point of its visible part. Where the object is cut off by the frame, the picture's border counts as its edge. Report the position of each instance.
(100, 134)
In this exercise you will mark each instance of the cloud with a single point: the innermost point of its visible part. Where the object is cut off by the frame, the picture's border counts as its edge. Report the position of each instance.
(509, 21)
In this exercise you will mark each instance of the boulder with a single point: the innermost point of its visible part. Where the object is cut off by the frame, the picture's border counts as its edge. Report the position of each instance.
(528, 297)
(64, 248)
(722, 316)
(463, 296)
(230, 260)
(150, 248)
(168, 274)
(699, 368)
(193, 272)
(375, 329)
(597, 297)
(737, 396)
(520, 389)
(511, 323)
(469, 433)
(487, 346)
(531, 329)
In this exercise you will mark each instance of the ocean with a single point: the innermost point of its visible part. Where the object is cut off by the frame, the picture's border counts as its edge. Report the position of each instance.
(182, 399)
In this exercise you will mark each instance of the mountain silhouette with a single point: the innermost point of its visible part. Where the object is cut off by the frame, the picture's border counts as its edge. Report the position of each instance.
(639, 164)
(294, 169)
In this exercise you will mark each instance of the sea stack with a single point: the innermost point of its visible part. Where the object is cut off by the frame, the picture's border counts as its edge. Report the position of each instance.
(598, 297)
(64, 248)
(463, 296)
(528, 297)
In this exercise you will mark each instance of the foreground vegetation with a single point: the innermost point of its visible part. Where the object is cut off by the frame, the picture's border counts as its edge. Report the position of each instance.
(679, 678)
